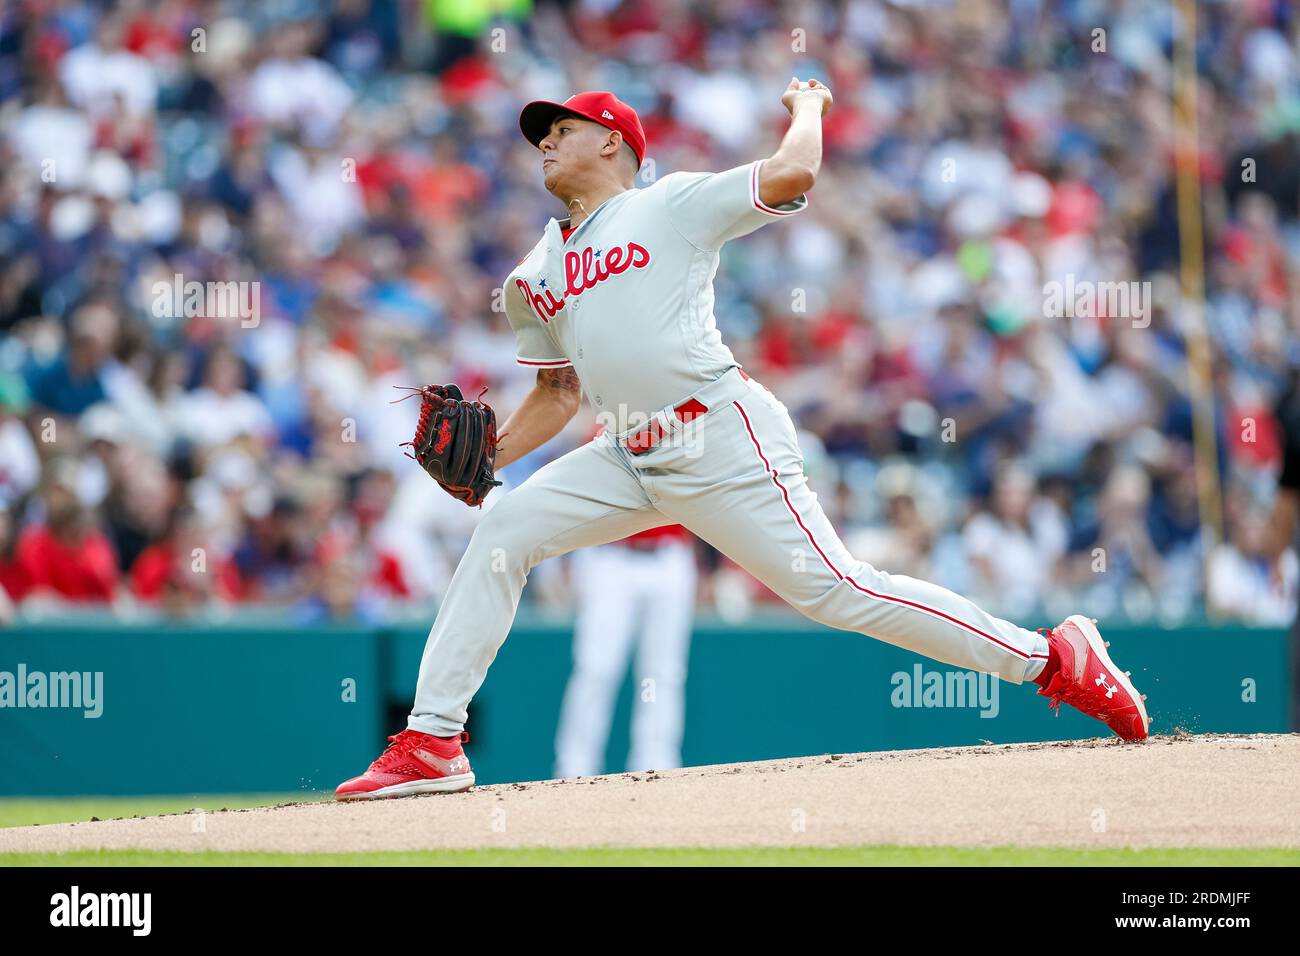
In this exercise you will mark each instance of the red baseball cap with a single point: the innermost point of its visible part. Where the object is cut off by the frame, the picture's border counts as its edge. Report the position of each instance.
(598, 106)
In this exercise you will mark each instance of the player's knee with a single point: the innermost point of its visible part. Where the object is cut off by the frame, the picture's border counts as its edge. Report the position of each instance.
(822, 608)
(842, 604)
(818, 613)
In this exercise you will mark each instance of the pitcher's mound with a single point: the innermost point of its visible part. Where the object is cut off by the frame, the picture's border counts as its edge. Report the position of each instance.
(1202, 791)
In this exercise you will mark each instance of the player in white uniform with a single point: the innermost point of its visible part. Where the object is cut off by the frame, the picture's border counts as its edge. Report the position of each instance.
(636, 599)
(617, 301)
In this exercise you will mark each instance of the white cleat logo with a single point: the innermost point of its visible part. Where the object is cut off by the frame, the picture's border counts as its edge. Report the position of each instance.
(1110, 691)
(457, 765)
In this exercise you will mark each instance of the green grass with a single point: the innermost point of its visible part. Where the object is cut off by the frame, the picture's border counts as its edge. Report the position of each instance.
(26, 811)
(746, 856)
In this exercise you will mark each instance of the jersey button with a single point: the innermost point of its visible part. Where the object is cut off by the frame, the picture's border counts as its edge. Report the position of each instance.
(579, 353)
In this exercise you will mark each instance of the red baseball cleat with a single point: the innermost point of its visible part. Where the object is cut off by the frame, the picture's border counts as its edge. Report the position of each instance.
(413, 763)
(1089, 681)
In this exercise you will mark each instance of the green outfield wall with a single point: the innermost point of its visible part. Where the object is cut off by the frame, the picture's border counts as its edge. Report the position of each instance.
(271, 709)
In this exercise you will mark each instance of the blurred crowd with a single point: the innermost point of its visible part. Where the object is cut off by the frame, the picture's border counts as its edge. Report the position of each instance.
(356, 168)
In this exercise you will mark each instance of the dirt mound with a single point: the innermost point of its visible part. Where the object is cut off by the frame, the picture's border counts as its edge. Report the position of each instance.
(1202, 791)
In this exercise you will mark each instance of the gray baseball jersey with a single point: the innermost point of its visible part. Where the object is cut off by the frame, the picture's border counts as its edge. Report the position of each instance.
(627, 299)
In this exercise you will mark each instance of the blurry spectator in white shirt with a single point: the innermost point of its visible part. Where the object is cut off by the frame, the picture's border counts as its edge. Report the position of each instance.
(99, 75)
(20, 466)
(1014, 546)
(1243, 583)
(291, 88)
(221, 410)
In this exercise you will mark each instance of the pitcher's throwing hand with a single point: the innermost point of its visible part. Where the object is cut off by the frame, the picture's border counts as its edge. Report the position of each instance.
(813, 91)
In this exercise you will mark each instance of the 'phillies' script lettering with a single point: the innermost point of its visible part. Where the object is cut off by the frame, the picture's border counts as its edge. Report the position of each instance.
(584, 270)
(545, 306)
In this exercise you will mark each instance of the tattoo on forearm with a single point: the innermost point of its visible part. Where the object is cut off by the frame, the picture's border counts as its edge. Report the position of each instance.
(559, 379)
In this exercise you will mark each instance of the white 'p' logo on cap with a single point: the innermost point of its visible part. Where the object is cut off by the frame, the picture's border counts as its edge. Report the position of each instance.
(606, 114)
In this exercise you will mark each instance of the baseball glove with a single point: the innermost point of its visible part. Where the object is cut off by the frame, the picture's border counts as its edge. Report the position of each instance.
(455, 442)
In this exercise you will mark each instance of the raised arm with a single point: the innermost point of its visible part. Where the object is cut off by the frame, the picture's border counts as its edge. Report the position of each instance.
(791, 171)
(542, 414)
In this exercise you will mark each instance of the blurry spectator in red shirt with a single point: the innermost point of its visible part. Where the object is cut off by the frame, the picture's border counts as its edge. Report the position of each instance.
(374, 492)
(67, 557)
(352, 538)
(14, 582)
(179, 571)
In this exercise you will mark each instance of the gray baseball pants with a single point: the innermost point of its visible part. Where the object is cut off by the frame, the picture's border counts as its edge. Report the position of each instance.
(733, 477)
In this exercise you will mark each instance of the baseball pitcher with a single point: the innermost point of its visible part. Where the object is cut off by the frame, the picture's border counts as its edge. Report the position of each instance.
(617, 300)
